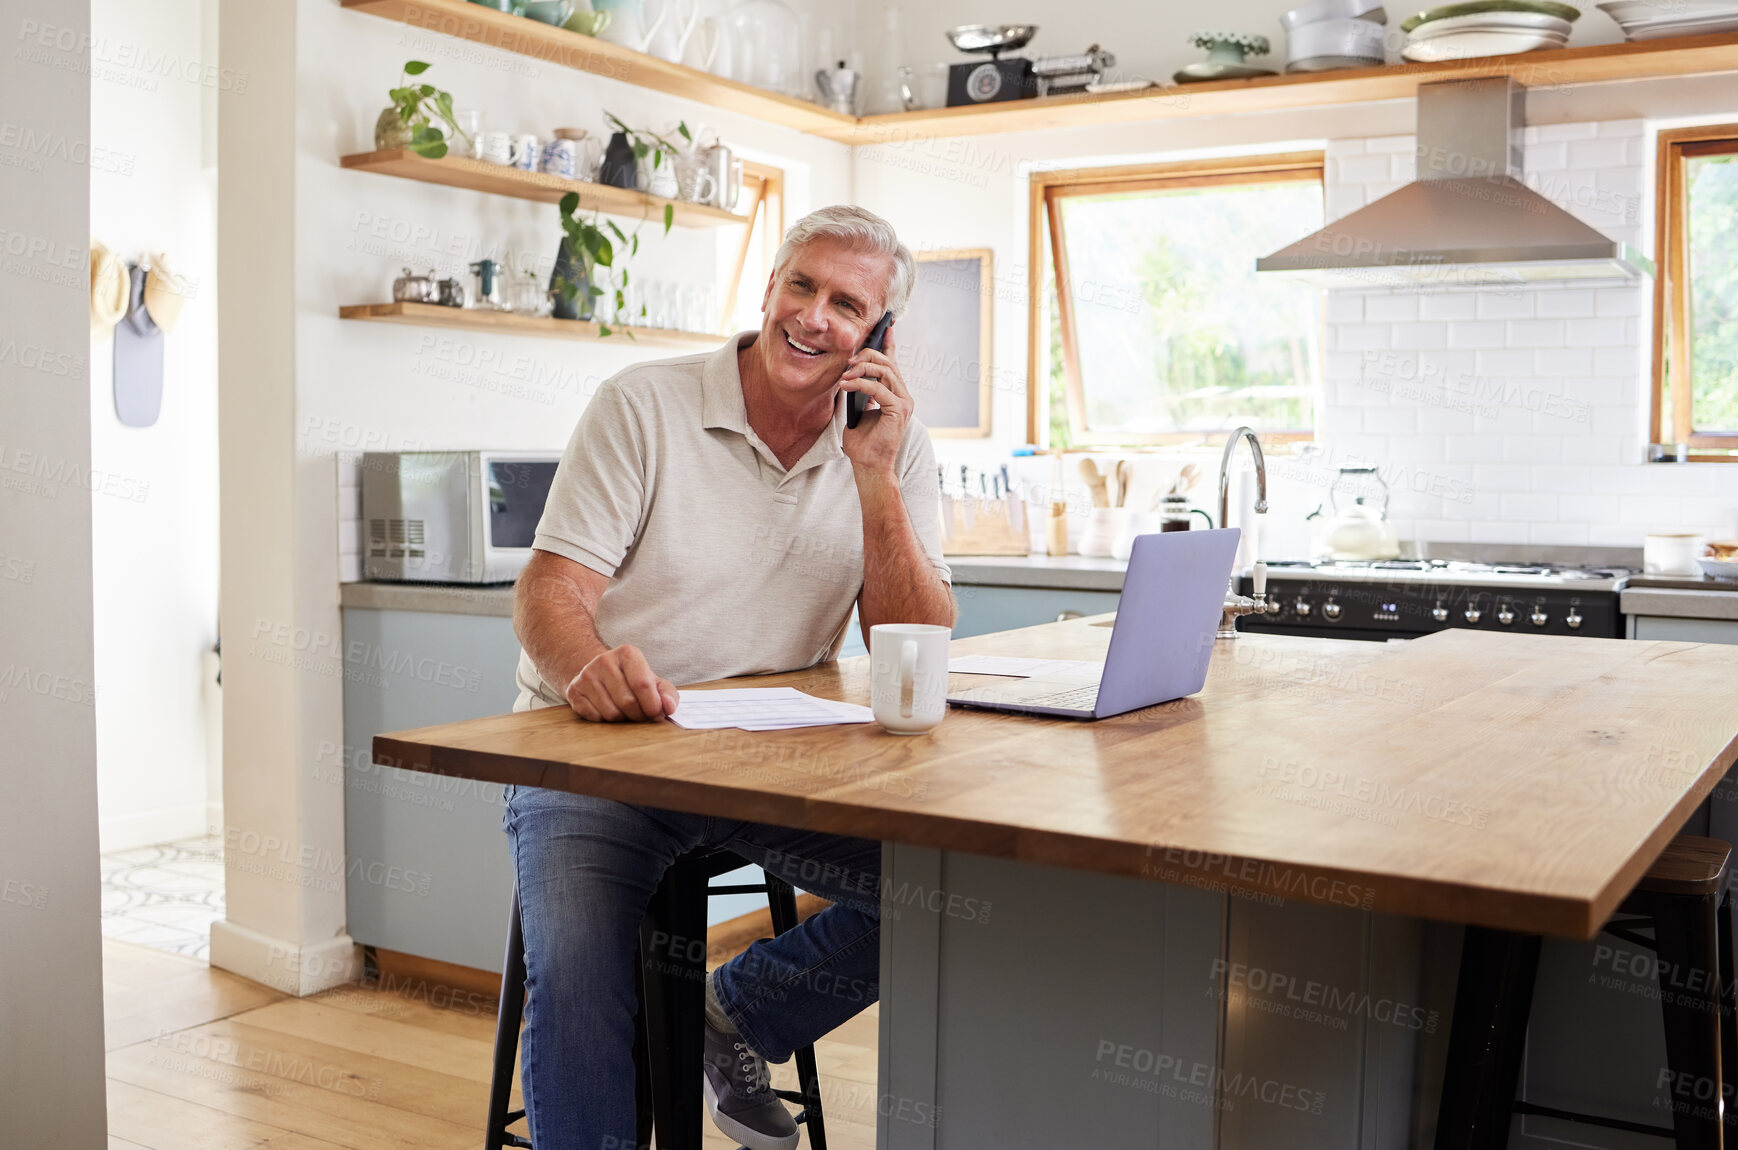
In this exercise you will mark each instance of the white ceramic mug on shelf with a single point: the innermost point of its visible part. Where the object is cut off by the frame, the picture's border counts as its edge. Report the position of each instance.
(908, 669)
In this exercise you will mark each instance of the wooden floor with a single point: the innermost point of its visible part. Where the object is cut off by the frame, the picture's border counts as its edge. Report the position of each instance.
(199, 1059)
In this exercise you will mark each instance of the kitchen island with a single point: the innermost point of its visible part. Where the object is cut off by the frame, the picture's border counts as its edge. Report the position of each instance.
(1223, 921)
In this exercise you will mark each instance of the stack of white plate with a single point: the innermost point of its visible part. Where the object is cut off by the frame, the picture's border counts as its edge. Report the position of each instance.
(1486, 28)
(1652, 19)
(1328, 34)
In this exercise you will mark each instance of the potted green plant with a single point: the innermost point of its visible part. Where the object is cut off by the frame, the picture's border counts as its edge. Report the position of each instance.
(586, 246)
(408, 122)
(649, 145)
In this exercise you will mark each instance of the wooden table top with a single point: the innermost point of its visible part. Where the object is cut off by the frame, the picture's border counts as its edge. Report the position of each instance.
(1515, 781)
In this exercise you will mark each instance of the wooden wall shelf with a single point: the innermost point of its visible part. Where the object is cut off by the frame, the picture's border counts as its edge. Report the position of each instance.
(499, 180)
(1598, 64)
(511, 323)
(553, 45)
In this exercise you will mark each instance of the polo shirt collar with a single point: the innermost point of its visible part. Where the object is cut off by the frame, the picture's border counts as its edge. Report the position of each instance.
(722, 406)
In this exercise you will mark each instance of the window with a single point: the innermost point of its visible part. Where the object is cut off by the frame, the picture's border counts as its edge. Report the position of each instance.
(1695, 393)
(762, 201)
(1150, 324)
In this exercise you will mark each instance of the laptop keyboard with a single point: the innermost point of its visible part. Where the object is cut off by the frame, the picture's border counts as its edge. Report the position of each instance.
(1078, 699)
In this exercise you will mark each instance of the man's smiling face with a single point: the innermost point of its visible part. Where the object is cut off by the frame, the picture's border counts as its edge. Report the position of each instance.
(818, 310)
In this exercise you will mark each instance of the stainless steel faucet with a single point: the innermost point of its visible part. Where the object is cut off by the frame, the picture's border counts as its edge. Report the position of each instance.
(1236, 604)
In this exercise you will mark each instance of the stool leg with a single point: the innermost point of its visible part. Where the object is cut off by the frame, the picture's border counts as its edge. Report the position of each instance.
(507, 1018)
(1728, 1014)
(673, 957)
(1486, 1039)
(1685, 933)
(782, 902)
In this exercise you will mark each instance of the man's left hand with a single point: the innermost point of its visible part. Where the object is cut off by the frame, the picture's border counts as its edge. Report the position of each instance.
(873, 445)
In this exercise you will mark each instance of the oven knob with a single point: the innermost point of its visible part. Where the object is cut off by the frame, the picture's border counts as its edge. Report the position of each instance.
(1330, 610)
(1573, 619)
(1302, 608)
(1504, 615)
(1538, 617)
(1439, 612)
(1473, 615)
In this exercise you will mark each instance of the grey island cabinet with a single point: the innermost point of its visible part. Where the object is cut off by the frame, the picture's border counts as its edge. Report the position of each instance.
(420, 654)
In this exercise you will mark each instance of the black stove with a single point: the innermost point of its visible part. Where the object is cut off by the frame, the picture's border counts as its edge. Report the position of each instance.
(1405, 598)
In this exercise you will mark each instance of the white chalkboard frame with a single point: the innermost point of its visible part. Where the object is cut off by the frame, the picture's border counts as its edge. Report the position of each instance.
(986, 342)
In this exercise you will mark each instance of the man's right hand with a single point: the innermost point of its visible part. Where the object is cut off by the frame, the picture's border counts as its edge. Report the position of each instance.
(618, 686)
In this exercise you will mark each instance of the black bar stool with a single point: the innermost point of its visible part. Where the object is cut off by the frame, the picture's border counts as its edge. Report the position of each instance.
(1683, 897)
(669, 1043)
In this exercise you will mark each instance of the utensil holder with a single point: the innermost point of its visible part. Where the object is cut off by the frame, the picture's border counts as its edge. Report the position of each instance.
(980, 526)
(1102, 531)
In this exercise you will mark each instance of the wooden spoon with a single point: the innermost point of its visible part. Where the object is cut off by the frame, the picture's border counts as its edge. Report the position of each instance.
(1124, 473)
(1094, 483)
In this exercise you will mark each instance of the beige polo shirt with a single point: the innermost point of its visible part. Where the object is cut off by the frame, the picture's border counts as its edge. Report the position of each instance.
(721, 562)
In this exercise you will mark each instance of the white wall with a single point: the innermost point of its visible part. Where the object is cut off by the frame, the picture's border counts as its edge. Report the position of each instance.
(156, 534)
(51, 1016)
(339, 237)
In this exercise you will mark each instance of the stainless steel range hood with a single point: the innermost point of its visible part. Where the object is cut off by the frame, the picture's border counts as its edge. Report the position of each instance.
(1468, 220)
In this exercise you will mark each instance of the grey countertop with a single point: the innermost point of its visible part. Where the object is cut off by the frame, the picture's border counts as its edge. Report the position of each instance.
(1681, 601)
(1065, 572)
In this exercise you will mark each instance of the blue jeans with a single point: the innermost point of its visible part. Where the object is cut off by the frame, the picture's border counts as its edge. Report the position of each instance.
(586, 869)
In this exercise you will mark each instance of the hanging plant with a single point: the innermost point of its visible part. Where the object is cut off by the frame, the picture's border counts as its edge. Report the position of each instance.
(409, 121)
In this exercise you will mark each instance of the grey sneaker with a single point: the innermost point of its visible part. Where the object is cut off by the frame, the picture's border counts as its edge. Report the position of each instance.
(739, 1095)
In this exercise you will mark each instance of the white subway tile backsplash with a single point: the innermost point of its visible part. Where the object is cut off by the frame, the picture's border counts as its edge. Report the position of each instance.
(1563, 361)
(1506, 304)
(1523, 507)
(1573, 304)
(1390, 307)
(1536, 333)
(1584, 448)
(1448, 305)
(1532, 449)
(1420, 335)
(1473, 449)
(1491, 531)
(1599, 333)
(1547, 157)
(1535, 398)
(1344, 307)
(1475, 334)
(1597, 153)
(1558, 534)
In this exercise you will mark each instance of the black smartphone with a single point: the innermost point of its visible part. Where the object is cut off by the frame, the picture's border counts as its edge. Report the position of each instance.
(856, 401)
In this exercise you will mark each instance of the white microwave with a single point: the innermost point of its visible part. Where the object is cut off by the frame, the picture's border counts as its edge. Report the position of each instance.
(452, 516)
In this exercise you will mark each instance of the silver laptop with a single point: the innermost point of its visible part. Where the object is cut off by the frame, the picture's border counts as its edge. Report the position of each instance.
(1160, 645)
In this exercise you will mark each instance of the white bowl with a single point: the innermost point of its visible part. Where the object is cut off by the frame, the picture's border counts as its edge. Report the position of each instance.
(1471, 45)
(1719, 568)
(1358, 38)
(1492, 22)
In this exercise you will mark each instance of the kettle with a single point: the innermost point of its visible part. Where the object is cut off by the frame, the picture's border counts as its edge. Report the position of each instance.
(839, 88)
(1360, 531)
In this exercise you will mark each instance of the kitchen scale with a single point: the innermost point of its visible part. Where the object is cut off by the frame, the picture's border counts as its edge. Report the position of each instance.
(1018, 77)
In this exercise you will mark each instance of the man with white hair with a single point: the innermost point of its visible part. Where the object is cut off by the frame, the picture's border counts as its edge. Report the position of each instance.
(713, 516)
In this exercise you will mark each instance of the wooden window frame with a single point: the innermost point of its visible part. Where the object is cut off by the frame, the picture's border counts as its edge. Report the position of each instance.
(1047, 191)
(1671, 354)
(764, 185)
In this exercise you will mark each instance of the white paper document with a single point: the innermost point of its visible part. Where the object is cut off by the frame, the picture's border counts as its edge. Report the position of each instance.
(762, 709)
(1083, 669)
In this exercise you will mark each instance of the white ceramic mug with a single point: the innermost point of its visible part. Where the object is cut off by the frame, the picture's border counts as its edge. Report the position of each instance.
(908, 667)
(497, 148)
(1672, 554)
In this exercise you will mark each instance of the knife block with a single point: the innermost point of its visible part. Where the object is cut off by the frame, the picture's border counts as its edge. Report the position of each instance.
(984, 526)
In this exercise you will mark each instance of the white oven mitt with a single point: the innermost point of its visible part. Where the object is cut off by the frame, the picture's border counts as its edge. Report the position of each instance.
(165, 292)
(109, 289)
